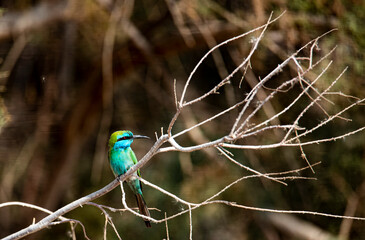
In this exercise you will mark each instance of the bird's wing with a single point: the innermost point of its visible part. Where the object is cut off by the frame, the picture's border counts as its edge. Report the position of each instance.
(135, 161)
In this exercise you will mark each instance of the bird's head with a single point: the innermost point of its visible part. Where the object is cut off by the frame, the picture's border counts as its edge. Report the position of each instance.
(122, 139)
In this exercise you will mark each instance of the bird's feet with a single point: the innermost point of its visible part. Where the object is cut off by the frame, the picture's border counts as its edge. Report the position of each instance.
(118, 177)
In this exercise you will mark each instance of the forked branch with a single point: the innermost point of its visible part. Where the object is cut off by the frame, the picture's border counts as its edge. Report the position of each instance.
(245, 124)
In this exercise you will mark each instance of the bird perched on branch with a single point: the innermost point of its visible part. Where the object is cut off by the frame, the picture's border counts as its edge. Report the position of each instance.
(121, 159)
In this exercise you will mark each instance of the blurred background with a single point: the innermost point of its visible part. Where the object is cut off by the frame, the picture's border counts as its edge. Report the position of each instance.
(72, 72)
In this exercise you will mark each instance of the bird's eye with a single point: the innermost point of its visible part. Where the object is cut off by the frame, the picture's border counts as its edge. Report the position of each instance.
(123, 138)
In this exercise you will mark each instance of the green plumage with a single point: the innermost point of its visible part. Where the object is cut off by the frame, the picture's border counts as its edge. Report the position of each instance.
(121, 159)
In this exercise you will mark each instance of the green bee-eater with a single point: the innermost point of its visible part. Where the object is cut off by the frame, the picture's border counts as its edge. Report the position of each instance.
(121, 159)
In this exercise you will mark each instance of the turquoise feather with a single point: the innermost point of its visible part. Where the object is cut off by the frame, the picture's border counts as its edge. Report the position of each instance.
(121, 159)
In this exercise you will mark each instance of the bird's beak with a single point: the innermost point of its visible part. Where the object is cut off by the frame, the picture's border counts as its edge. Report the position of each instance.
(140, 136)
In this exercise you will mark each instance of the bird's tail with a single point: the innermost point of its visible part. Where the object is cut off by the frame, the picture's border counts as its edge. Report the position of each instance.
(143, 209)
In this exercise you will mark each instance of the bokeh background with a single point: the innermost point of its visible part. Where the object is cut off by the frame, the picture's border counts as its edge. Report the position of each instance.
(59, 104)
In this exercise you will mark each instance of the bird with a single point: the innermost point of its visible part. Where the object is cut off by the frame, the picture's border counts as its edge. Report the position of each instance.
(121, 159)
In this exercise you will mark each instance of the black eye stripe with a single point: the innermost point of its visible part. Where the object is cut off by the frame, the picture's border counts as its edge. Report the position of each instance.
(124, 138)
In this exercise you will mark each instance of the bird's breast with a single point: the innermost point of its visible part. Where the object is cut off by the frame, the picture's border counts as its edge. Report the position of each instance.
(120, 161)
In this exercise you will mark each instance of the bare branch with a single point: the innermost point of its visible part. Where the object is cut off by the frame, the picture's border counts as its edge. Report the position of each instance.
(13, 24)
(247, 168)
(213, 49)
(243, 125)
(108, 219)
